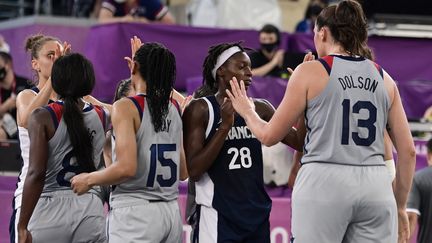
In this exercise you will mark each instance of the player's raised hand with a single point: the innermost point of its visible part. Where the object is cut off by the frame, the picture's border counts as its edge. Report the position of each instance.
(227, 114)
(135, 43)
(239, 99)
(79, 183)
(308, 57)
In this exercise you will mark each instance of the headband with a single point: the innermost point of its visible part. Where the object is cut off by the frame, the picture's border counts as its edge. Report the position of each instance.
(223, 57)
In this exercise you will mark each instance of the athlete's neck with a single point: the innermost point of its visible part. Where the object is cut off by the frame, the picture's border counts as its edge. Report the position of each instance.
(141, 88)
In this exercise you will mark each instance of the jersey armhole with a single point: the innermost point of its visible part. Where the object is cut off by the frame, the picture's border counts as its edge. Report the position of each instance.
(139, 104)
(380, 70)
(55, 110)
(327, 62)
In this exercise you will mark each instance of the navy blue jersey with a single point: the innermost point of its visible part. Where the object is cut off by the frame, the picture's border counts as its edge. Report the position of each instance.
(234, 185)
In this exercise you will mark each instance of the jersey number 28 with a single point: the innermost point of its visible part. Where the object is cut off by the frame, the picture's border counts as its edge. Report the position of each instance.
(245, 158)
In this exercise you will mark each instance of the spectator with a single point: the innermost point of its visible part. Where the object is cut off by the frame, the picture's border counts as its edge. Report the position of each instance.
(143, 11)
(269, 60)
(419, 205)
(4, 46)
(307, 24)
(10, 86)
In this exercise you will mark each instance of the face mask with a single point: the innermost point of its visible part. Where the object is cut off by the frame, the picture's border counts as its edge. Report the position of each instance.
(2, 74)
(269, 47)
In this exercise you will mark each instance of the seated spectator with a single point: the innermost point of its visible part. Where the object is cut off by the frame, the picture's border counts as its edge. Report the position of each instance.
(419, 205)
(10, 86)
(143, 11)
(4, 46)
(269, 60)
(308, 23)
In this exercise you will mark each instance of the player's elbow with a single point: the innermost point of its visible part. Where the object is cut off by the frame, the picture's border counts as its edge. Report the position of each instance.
(127, 172)
(194, 174)
(268, 140)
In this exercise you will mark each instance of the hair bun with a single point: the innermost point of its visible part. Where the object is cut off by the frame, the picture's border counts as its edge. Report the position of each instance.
(30, 42)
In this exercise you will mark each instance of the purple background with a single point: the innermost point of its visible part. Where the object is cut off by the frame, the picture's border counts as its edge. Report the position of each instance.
(407, 60)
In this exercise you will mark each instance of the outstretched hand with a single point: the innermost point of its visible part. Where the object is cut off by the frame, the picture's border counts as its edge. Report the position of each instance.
(136, 43)
(79, 183)
(239, 99)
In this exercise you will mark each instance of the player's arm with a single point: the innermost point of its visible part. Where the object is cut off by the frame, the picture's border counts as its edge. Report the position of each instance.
(292, 106)
(27, 102)
(125, 121)
(266, 111)
(39, 132)
(92, 100)
(400, 135)
(183, 167)
(107, 149)
(199, 155)
(295, 168)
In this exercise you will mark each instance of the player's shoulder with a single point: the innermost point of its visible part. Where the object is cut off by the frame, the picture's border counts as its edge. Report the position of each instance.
(264, 108)
(198, 105)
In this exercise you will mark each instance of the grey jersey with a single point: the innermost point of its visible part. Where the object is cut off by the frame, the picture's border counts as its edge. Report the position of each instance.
(420, 203)
(62, 165)
(346, 121)
(158, 156)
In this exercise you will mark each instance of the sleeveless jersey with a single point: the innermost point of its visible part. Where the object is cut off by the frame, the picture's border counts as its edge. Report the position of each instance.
(234, 184)
(62, 165)
(346, 121)
(24, 141)
(158, 156)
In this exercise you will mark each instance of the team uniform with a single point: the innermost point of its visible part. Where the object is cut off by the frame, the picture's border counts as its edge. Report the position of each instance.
(145, 208)
(233, 205)
(60, 215)
(343, 191)
(420, 203)
(25, 153)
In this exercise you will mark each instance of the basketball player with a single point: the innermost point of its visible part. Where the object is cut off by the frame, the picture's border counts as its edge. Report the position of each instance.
(223, 156)
(148, 132)
(44, 50)
(66, 138)
(343, 191)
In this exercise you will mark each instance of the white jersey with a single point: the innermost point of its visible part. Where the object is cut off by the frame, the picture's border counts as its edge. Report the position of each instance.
(24, 141)
(158, 157)
(346, 122)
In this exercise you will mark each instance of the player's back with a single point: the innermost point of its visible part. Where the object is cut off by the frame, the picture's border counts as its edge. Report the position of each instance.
(346, 121)
(62, 165)
(157, 175)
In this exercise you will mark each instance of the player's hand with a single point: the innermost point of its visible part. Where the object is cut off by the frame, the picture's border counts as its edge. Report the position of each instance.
(136, 43)
(79, 183)
(309, 57)
(403, 227)
(227, 114)
(62, 50)
(239, 99)
(24, 236)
